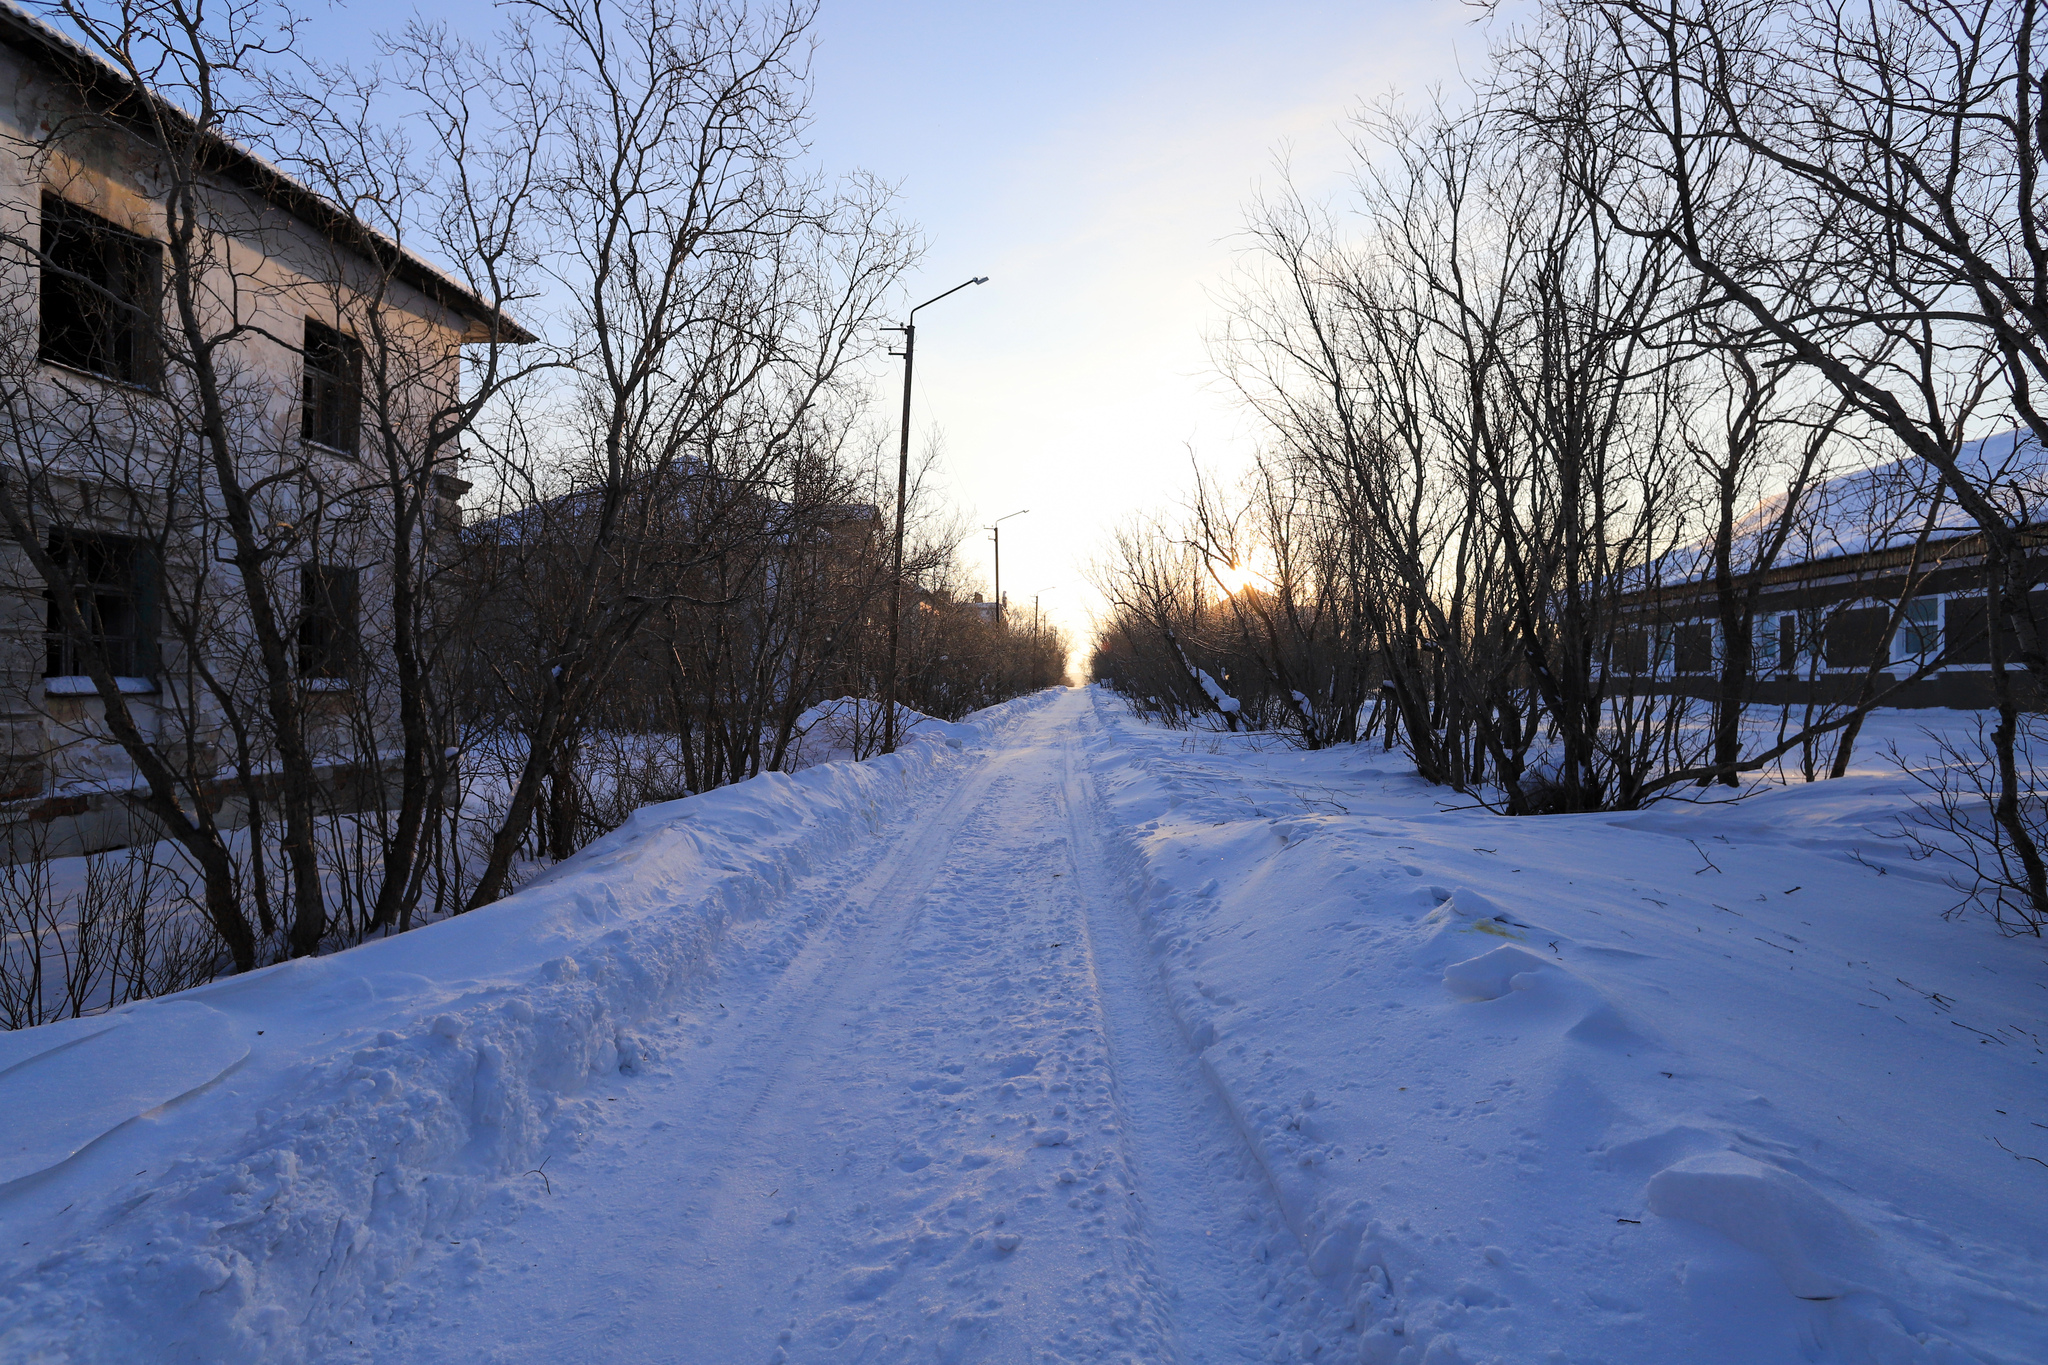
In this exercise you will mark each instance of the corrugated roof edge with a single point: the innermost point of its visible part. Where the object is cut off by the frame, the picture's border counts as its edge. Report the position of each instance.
(95, 78)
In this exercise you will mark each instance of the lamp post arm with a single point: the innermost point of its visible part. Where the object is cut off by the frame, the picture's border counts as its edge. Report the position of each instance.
(902, 499)
(980, 279)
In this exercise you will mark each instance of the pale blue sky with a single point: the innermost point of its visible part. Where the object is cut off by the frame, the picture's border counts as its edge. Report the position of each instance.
(1094, 160)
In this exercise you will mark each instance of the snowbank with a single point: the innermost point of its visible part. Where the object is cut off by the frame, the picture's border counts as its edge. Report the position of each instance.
(845, 726)
(1698, 1084)
(244, 1172)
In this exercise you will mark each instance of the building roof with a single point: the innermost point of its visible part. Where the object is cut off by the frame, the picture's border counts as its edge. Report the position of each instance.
(777, 515)
(110, 90)
(1881, 508)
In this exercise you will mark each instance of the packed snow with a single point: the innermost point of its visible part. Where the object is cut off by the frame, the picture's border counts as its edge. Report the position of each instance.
(1060, 1036)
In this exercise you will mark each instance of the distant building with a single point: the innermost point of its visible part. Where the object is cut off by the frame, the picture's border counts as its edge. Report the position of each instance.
(1859, 543)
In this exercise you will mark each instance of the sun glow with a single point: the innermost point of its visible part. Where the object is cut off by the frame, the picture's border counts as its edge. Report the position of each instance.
(1239, 575)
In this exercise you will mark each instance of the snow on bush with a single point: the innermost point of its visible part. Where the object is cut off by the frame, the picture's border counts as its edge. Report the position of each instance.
(849, 727)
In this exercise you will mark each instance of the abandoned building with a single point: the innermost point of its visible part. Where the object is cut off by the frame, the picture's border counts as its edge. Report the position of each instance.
(110, 474)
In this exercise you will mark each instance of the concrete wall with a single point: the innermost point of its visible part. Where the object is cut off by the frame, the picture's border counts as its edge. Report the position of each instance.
(96, 453)
(93, 822)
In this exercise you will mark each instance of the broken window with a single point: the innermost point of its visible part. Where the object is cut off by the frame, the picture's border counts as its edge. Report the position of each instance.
(329, 629)
(113, 585)
(1694, 643)
(100, 289)
(1854, 637)
(1633, 655)
(331, 407)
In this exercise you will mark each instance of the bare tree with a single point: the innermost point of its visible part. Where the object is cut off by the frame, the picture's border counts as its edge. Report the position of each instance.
(718, 300)
(1863, 183)
(1157, 588)
(161, 325)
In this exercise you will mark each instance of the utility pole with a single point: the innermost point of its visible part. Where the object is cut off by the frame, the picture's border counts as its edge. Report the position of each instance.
(909, 352)
(997, 527)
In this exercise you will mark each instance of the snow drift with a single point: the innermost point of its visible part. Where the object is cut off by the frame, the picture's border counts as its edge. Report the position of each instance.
(246, 1171)
(1563, 1089)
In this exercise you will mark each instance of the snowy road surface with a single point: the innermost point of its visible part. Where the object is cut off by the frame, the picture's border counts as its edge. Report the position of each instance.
(959, 1125)
(1062, 1037)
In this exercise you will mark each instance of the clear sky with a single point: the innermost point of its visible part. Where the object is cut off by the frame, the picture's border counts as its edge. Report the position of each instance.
(1095, 161)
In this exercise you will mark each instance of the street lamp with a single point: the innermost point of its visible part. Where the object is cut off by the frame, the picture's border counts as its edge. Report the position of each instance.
(1034, 606)
(996, 526)
(909, 352)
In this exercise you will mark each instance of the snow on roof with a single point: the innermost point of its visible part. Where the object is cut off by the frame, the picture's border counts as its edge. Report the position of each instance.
(1882, 507)
(99, 80)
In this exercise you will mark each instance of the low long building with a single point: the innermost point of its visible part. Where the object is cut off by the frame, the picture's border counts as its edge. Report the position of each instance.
(1879, 569)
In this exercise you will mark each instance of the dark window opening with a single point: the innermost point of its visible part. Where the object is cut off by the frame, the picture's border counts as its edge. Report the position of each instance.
(1695, 648)
(1633, 654)
(114, 586)
(331, 407)
(1855, 637)
(100, 288)
(1965, 637)
(329, 629)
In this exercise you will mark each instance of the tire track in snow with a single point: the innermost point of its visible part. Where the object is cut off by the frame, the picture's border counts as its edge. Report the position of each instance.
(893, 882)
(891, 1267)
(731, 1076)
(958, 1125)
(790, 1003)
(1235, 1272)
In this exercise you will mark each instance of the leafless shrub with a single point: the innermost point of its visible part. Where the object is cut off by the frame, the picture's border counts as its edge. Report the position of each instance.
(132, 928)
(1959, 823)
(35, 942)
(620, 773)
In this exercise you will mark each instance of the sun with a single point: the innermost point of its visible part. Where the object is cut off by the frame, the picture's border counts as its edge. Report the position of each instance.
(1239, 575)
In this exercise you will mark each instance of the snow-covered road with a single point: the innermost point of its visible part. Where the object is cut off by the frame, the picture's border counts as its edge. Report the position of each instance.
(1060, 1036)
(959, 1124)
